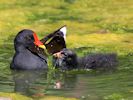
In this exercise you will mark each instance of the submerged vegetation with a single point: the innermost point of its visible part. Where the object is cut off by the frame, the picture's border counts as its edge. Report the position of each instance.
(93, 26)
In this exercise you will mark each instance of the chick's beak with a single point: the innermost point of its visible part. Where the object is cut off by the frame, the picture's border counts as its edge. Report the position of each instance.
(57, 55)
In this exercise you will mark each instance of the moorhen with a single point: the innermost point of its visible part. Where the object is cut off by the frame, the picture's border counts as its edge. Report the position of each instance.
(26, 57)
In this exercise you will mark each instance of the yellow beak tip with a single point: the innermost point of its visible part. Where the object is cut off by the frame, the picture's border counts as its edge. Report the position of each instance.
(42, 46)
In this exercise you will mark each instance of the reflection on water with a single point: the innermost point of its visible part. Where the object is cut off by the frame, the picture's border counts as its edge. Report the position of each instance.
(91, 86)
(39, 83)
(24, 81)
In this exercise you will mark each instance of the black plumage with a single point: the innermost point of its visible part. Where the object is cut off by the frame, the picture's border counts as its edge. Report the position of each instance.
(67, 59)
(25, 56)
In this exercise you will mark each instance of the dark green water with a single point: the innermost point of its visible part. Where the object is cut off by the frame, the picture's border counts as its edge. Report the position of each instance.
(86, 85)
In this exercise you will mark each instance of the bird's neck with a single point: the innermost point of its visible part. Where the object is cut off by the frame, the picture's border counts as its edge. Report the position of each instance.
(20, 48)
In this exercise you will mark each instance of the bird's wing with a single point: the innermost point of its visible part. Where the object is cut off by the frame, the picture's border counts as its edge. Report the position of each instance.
(55, 41)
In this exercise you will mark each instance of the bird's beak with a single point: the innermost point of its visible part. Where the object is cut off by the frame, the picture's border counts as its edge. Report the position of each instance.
(37, 42)
(57, 55)
(42, 46)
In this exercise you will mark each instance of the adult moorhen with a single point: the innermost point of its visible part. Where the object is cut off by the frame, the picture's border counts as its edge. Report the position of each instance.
(25, 43)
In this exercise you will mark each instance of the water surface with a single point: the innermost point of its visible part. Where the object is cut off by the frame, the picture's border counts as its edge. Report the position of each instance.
(85, 85)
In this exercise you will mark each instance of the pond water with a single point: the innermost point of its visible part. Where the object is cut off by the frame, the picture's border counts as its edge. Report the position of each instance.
(85, 85)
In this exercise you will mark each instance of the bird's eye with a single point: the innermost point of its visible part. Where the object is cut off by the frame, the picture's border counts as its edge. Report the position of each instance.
(32, 38)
